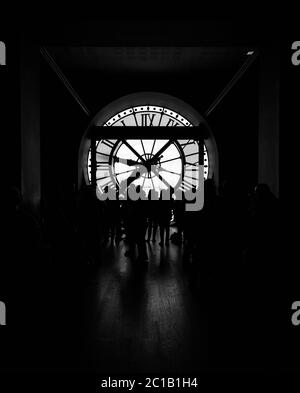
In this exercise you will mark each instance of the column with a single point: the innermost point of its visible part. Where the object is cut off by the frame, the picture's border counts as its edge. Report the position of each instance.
(268, 137)
(30, 125)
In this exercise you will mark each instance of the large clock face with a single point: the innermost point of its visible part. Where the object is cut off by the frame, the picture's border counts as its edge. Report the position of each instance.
(152, 163)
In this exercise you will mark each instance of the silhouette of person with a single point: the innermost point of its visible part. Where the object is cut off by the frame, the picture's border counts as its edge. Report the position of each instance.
(136, 222)
(179, 217)
(165, 215)
(90, 218)
(153, 197)
(141, 224)
(112, 217)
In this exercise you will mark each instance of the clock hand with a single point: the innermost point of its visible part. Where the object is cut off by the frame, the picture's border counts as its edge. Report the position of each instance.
(161, 178)
(135, 175)
(134, 151)
(126, 161)
(157, 155)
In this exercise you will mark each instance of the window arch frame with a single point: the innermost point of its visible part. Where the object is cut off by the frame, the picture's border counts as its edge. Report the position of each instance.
(149, 98)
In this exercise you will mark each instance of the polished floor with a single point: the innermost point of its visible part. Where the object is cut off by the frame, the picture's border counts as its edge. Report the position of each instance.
(170, 315)
(173, 315)
(143, 317)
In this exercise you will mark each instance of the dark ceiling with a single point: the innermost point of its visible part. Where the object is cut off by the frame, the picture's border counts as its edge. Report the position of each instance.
(190, 59)
(116, 70)
(149, 59)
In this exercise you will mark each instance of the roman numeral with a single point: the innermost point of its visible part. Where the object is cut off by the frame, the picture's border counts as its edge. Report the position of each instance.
(186, 185)
(108, 143)
(102, 154)
(147, 119)
(171, 123)
(102, 177)
(192, 154)
(192, 177)
(102, 165)
(183, 145)
(192, 163)
(109, 183)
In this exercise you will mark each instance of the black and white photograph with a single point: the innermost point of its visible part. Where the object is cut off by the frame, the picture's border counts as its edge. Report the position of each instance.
(150, 203)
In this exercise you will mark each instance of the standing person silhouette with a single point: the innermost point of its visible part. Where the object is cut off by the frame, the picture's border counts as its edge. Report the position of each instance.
(137, 224)
(152, 215)
(141, 227)
(165, 215)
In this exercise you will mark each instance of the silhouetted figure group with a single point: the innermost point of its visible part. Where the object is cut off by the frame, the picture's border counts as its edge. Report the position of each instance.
(234, 226)
(236, 234)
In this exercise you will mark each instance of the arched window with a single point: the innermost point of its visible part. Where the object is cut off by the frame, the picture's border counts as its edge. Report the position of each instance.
(146, 109)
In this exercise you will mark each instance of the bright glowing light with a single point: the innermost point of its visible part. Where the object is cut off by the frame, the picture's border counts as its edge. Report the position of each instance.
(168, 170)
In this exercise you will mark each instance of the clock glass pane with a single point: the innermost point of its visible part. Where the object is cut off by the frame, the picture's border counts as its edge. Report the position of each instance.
(120, 160)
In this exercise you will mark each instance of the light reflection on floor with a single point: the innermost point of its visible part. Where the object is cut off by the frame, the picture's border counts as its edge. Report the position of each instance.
(142, 317)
